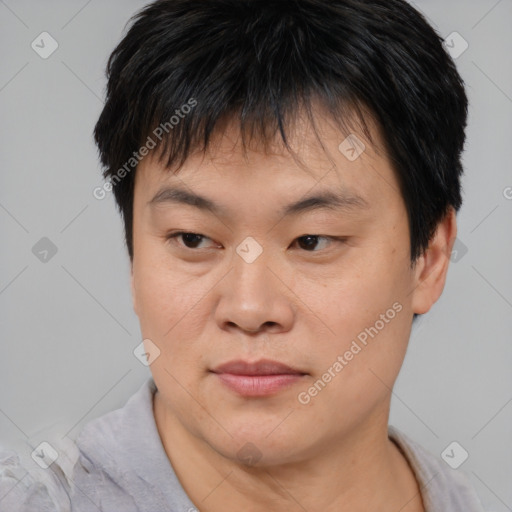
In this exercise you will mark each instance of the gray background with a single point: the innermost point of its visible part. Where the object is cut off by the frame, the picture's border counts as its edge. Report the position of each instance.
(67, 325)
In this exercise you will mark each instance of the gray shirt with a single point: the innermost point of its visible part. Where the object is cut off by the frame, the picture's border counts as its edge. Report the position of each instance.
(119, 465)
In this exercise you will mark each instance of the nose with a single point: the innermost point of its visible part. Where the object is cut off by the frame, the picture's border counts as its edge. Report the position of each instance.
(254, 297)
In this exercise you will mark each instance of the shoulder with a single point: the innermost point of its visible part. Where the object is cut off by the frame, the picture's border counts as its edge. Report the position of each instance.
(61, 474)
(107, 436)
(442, 487)
(111, 449)
(24, 485)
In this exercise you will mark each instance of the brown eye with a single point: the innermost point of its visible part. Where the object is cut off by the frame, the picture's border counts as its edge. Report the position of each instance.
(189, 240)
(310, 242)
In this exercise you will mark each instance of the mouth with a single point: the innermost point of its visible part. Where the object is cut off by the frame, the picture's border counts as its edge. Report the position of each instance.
(261, 378)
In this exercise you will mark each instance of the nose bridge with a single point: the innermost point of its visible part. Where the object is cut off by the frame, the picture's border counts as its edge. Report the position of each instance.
(251, 273)
(252, 278)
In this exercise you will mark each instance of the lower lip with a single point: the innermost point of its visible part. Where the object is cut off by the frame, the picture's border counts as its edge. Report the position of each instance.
(258, 385)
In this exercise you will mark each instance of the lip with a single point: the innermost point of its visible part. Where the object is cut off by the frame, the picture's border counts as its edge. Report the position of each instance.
(261, 367)
(261, 378)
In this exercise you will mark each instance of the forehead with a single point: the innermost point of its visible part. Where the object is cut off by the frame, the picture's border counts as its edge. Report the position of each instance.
(326, 160)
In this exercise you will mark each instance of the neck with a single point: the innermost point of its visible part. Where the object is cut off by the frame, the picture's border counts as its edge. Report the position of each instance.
(363, 471)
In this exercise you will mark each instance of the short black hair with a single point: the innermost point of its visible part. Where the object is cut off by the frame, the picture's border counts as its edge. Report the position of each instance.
(185, 66)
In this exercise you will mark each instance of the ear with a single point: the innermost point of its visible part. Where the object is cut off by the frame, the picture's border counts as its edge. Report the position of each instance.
(432, 266)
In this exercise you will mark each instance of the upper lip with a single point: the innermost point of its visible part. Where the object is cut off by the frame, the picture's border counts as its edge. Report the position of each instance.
(261, 367)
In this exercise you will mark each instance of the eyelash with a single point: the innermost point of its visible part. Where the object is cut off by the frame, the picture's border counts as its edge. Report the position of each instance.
(171, 236)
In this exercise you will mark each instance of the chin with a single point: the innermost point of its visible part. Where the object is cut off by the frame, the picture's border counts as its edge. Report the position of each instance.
(255, 443)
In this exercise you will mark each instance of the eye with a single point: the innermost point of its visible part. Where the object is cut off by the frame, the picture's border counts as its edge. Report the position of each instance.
(310, 242)
(190, 240)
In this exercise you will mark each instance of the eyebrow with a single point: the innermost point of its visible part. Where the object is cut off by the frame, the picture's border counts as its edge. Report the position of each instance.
(325, 200)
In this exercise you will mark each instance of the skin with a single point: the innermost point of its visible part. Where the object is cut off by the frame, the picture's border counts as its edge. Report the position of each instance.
(299, 304)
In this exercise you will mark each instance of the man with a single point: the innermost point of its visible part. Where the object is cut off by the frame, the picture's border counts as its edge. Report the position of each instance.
(288, 175)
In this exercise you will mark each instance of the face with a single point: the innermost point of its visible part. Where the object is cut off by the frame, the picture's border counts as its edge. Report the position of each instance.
(323, 286)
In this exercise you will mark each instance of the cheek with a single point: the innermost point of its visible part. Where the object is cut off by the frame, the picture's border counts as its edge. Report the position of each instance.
(357, 370)
(355, 295)
(172, 316)
(167, 301)
(365, 307)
